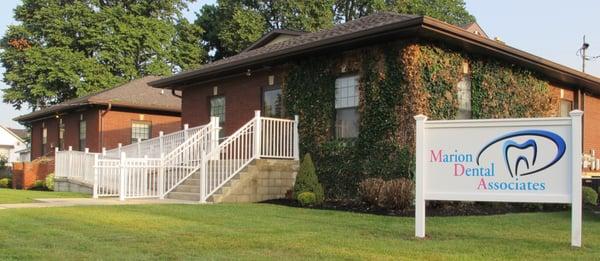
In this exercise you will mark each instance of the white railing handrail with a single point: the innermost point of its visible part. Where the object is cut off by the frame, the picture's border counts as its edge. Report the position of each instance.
(160, 142)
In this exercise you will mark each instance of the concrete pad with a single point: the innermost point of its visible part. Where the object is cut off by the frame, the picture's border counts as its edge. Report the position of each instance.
(70, 202)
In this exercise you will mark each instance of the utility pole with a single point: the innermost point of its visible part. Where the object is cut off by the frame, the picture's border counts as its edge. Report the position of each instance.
(584, 47)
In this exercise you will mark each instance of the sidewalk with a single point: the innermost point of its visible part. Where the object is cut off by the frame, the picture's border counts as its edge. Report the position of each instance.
(70, 202)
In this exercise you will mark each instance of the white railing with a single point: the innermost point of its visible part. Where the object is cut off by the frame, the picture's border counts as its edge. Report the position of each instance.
(184, 160)
(72, 164)
(107, 177)
(154, 147)
(260, 137)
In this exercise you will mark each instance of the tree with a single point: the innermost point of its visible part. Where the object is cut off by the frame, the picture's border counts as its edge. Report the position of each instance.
(65, 49)
(232, 25)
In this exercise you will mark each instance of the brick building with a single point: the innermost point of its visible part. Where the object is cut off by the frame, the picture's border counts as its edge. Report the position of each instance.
(103, 120)
(234, 87)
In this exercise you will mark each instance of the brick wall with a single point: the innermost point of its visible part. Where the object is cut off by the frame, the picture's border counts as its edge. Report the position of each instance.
(242, 97)
(26, 173)
(116, 125)
(591, 124)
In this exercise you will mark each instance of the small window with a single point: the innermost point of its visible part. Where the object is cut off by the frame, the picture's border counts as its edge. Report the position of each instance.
(272, 103)
(140, 130)
(44, 140)
(566, 106)
(346, 106)
(217, 108)
(61, 134)
(464, 98)
(82, 135)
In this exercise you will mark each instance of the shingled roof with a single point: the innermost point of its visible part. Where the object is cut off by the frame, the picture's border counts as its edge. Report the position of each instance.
(374, 29)
(136, 94)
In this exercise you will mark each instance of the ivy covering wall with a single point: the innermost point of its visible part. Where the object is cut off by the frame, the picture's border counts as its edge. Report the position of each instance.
(397, 81)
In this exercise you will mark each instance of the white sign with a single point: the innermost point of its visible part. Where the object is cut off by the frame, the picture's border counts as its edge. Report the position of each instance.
(507, 160)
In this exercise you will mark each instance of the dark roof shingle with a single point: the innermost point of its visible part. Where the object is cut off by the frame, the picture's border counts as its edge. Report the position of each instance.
(134, 94)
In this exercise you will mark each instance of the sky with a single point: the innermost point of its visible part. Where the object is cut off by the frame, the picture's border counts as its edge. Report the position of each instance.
(552, 29)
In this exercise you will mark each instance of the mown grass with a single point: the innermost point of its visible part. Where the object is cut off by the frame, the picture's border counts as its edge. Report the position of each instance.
(262, 231)
(9, 196)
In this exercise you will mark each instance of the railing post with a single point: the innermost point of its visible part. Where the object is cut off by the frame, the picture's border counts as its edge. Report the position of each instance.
(139, 148)
(203, 163)
(85, 170)
(185, 131)
(160, 142)
(119, 146)
(103, 151)
(95, 192)
(70, 162)
(161, 177)
(257, 135)
(122, 179)
(62, 163)
(214, 137)
(296, 138)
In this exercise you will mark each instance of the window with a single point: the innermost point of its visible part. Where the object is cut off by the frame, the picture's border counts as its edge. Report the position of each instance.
(82, 135)
(272, 103)
(44, 139)
(217, 108)
(346, 106)
(61, 134)
(566, 106)
(140, 130)
(464, 98)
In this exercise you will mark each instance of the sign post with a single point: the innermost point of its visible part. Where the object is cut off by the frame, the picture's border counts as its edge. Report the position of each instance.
(534, 160)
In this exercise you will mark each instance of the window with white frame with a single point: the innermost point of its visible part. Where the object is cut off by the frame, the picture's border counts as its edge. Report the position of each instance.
(566, 106)
(464, 97)
(44, 139)
(82, 135)
(346, 107)
(272, 102)
(217, 108)
(140, 130)
(61, 134)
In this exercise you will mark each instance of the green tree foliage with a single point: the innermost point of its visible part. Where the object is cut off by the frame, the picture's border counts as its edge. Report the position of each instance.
(307, 180)
(232, 25)
(65, 49)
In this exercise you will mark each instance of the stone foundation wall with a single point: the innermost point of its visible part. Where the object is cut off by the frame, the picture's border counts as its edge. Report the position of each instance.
(70, 185)
(265, 179)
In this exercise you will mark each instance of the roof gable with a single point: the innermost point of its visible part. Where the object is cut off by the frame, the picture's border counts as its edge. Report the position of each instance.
(275, 36)
(6, 132)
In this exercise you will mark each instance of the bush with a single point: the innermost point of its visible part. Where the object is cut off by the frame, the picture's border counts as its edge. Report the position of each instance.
(5, 183)
(396, 194)
(38, 185)
(590, 196)
(307, 180)
(307, 199)
(49, 181)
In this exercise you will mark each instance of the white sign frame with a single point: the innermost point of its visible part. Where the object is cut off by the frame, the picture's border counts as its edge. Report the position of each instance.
(573, 143)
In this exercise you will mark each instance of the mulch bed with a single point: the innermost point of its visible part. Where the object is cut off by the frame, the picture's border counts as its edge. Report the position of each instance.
(434, 208)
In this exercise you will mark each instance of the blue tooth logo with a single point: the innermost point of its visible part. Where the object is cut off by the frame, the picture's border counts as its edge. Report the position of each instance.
(531, 143)
(525, 145)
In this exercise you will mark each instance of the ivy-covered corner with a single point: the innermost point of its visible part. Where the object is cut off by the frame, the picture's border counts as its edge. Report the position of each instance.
(397, 81)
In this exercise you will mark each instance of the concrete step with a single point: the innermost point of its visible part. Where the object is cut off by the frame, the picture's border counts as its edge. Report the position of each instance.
(187, 188)
(184, 196)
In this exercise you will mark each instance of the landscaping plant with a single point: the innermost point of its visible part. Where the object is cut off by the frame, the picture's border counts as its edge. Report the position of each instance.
(307, 199)
(396, 194)
(307, 180)
(5, 183)
(49, 181)
(590, 196)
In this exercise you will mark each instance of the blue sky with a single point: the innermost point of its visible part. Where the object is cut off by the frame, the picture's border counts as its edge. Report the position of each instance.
(551, 29)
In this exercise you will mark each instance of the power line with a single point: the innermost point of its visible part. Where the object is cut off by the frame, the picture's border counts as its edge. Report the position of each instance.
(581, 53)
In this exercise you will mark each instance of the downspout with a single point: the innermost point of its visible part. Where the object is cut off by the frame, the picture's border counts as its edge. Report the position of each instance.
(175, 94)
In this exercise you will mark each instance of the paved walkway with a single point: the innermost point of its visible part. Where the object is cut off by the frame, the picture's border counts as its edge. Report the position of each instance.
(69, 202)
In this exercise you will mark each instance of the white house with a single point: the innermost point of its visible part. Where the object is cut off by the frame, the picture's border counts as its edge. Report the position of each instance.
(11, 142)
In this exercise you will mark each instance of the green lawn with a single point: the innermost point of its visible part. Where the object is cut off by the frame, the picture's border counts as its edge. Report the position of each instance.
(261, 231)
(8, 196)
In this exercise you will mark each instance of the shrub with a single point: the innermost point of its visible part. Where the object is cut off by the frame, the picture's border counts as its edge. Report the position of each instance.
(396, 194)
(590, 196)
(307, 199)
(38, 185)
(49, 181)
(307, 180)
(5, 183)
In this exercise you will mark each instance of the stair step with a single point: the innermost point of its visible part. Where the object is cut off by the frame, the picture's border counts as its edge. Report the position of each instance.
(187, 188)
(184, 196)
